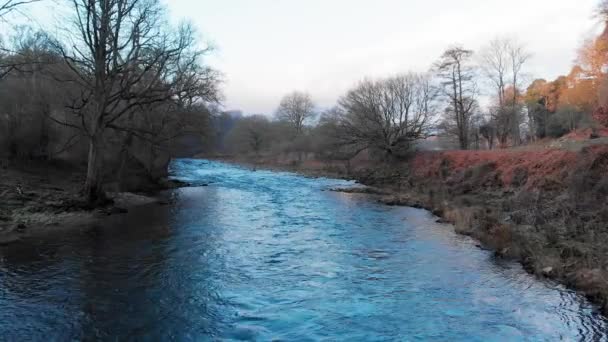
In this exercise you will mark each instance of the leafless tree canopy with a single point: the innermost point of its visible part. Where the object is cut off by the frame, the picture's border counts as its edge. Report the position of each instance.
(460, 89)
(495, 65)
(124, 56)
(251, 134)
(8, 6)
(298, 109)
(387, 115)
(502, 61)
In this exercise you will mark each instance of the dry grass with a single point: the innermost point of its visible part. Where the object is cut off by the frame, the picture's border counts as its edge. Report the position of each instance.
(547, 208)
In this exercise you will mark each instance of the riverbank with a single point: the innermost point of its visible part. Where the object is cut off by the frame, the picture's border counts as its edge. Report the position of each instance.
(254, 244)
(546, 208)
(308, 168)
(40, 197)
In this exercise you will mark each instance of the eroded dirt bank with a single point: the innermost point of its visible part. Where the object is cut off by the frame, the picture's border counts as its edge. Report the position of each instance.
(547, 208)
(39, 197)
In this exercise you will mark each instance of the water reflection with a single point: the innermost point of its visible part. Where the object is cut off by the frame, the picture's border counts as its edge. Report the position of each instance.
(272, 256)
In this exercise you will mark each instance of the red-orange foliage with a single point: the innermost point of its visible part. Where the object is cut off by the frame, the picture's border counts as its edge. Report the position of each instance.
(586, 134)
(540, 166)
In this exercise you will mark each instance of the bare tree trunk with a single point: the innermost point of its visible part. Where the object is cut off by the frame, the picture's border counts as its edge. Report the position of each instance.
(124, 154)
(151, 162)
(515, 130)
(92, 188)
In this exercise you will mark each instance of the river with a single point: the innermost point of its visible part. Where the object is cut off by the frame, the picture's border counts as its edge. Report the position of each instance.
(275, 256)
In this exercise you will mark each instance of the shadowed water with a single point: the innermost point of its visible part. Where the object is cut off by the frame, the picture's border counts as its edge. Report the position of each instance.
(272, 256)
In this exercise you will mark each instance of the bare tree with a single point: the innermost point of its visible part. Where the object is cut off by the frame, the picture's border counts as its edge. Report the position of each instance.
(386, 115)
(502, 61)
(297, 108)
(124, 56)
(488, 132)
(495, 66)
(27, 95)
(8, 6)
(250, 134)
(518, 56)
(460, 88)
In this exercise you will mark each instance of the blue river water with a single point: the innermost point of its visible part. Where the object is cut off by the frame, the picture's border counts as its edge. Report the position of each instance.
(272, 256)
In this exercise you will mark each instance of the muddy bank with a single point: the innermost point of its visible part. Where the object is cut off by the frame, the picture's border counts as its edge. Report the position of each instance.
(547, 209)
(37, 198)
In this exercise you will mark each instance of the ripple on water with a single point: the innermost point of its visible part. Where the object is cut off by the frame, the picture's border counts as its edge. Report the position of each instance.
(272, 256)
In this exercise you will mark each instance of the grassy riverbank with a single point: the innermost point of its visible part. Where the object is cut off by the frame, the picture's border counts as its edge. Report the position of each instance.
(546, 208)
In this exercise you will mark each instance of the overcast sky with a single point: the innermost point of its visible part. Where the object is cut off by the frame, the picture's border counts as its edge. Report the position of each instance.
(266, 48)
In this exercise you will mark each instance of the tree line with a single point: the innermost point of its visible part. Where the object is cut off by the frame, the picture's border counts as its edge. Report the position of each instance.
(388, 116)
(120, 90)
